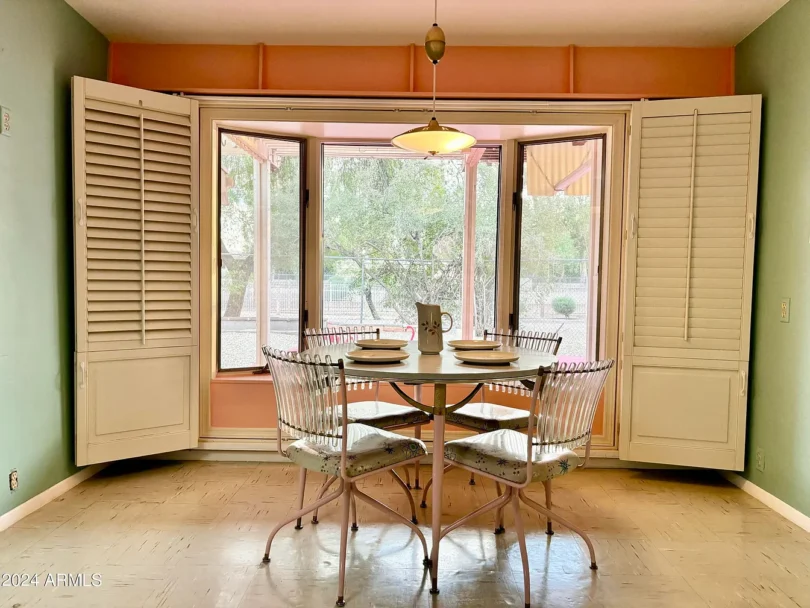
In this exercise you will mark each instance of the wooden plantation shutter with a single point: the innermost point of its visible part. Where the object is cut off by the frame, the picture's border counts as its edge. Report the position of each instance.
(136, 255)
(693, 182)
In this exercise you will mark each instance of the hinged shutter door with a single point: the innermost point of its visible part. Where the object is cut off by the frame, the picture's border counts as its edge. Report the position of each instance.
(693, 184)
(135, 172)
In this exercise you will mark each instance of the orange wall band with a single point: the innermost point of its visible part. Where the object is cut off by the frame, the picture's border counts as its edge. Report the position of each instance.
(239, 402)
(403, 71)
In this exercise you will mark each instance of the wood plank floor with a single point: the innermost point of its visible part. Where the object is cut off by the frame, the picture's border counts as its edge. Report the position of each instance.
(192, 534)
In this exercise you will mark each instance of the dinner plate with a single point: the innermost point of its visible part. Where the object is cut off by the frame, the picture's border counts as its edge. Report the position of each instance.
(382, 344)
(377, 356)
(474, 344)
(487, 357)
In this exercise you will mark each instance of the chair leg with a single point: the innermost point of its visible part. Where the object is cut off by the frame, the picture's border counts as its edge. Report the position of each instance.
(311, 507)
(563, 521)
(524, 554)
(354, 515)
(547, 486)
(407, 478)
(492, 504)
(302, 486)
(417, 433)
(499, 529)
(584, 463)
(423, 504)
(472, 479)
(401, 484)
(385, 509)
(344, 536)
(327, 482)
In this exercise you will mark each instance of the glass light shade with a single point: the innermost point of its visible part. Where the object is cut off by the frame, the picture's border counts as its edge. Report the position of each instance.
(433, 139)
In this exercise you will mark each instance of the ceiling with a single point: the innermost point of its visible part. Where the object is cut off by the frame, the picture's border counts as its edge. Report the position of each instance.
(399, 22)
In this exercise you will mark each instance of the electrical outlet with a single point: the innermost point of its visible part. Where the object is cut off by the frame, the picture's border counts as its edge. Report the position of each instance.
(784, 311)
(5, 121)
(760, 460)
(13, 480)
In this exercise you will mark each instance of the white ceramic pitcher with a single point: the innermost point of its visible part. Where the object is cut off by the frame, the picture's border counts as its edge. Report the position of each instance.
(430, 328)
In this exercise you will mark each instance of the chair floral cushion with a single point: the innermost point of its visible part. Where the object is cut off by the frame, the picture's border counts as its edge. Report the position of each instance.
(383, 415)
(368, 450)
(503, 454)
(489, 417)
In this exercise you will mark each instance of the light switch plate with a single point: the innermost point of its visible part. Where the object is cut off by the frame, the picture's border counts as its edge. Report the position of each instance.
(784, 310)
(5, 121)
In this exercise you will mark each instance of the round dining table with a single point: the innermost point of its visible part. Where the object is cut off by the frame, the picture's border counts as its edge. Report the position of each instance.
(438, 370)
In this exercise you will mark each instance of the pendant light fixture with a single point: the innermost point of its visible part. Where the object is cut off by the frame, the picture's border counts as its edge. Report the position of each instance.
(434, 138)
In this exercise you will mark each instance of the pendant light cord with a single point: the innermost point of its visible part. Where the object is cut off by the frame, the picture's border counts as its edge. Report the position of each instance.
(435, 22)
(434, 90)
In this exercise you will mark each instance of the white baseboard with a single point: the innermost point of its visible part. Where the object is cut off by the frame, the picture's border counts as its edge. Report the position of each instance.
(264, 450)
(769, 500)
(40, 500)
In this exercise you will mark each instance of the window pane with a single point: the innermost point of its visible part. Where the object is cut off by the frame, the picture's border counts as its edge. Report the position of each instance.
(394, 235)
(260, 247)
(559, 243)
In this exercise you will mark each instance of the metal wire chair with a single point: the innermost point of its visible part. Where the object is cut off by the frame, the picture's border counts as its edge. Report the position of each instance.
(314, 337)
(327, 336)
(564, 402)
(312, 407)
(544, 342)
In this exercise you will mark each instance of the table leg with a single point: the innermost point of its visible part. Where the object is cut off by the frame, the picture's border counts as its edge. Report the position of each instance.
(439, 403)
(417, 432)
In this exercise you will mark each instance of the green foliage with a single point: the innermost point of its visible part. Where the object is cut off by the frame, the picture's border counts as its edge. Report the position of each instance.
(390, 211)
(285, 216)
(555, 229)
(238, 222)
(564, 305)
(237, 225)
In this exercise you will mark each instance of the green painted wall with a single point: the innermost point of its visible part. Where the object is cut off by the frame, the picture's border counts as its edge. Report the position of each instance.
(42, 44)
(775, 61)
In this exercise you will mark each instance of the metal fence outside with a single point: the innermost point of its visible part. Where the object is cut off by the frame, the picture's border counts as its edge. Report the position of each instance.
(345, 301)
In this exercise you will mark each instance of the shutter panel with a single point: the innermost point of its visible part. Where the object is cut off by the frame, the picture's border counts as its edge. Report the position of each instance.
(691, 234)
(140, 224)
(136, 260)
(692, 211)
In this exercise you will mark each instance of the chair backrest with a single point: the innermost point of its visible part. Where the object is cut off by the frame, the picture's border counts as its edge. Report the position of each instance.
(338, 335)
(544, 342)
(344, 335)
(567, 400)
(310, 396)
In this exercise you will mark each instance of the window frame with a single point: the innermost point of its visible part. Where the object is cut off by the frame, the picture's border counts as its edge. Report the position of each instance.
(220, 131)
(612, 117)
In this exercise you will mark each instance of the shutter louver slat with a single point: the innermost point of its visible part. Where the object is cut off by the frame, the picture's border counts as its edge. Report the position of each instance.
(139, 236)
(164, 197)
(124, 113)
(168, 178)
(167, 168)
(691, 236)
(164, 127)
(183, 162)
(173, 208)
